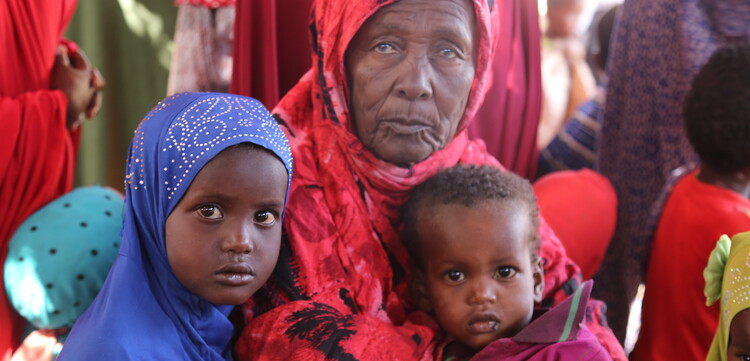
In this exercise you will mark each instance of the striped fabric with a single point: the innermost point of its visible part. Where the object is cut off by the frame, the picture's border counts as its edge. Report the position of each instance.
(574, 147)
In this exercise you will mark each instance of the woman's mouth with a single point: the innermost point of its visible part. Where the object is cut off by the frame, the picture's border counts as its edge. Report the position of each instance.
(483, 323)
(403, 126)
(235, 274)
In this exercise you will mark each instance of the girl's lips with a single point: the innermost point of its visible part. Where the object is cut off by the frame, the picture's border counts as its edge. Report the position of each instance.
(235, 274)
(483, 323)
(234, 279)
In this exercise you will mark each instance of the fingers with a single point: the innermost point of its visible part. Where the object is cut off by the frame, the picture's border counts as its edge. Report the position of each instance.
(97, 80)
(79, 60)
(61, 56)
(81, 83)
(94, 105)
(97, 83)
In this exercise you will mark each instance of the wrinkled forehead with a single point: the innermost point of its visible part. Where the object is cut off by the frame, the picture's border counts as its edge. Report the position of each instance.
(447, 16)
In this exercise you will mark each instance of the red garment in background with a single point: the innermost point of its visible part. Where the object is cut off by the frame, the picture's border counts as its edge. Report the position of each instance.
(674, 311)
(339, 291)
(581, 207)
(509, 117)
(37, 152)
(271, 48)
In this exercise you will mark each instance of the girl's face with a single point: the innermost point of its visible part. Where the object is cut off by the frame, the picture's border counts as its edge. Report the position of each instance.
(739, 337)
(223, 237)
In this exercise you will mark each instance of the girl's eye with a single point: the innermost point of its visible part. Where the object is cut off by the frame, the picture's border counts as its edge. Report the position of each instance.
(265, 218)
(454, 276)
(385, 48)
(210, 212)
(506, 272)
(745, 358)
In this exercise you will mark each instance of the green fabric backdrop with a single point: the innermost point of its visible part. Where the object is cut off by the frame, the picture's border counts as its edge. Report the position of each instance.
(130, 42)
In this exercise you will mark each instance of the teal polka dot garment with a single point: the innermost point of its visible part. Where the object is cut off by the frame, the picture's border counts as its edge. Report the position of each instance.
(59, 257)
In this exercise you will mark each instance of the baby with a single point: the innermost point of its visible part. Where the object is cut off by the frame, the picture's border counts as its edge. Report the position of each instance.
(206, 184)
(472, 232)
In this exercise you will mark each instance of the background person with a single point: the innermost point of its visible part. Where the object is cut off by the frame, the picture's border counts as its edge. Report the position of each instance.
(704, 204)
(57, 262)
(658, 47)
(45, 91)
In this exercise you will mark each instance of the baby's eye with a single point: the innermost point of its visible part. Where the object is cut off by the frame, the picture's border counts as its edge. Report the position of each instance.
(454, 276)
(210, 212)
(506, 271)
(384, 48)
(265, 218)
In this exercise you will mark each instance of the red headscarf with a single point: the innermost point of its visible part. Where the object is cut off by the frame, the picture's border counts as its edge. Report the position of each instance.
(340, 289)
(37, 152)
(507, 121)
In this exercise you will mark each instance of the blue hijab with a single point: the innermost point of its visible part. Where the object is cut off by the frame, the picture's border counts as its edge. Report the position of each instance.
(143, 312)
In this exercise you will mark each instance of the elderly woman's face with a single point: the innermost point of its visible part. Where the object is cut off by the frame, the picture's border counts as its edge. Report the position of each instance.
(410, 70)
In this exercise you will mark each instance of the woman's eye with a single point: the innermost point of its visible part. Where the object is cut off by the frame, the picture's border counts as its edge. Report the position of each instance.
(265, 218)
(448, 53)
(384, 48)
(506, 272)
(210, 212)
(454, 276)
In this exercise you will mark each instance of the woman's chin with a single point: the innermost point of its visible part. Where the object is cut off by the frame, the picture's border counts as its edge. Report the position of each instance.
(404, 156)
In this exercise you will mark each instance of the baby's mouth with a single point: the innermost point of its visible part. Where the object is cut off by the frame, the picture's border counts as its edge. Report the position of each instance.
(483, 323)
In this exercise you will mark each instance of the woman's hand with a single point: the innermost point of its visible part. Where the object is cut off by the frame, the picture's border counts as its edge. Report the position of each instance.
(80, 82)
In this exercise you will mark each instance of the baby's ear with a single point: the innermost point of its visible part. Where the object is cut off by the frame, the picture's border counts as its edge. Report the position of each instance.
(418, 288)
(538, 274)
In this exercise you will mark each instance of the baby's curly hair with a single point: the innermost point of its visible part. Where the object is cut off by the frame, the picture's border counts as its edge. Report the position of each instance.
(468, 185)
(717, 110)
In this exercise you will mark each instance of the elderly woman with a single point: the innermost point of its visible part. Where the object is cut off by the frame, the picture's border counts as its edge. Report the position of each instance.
(385, 105)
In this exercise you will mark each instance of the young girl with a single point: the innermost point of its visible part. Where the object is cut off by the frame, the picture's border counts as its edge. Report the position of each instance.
(206, 184)
(728, 277)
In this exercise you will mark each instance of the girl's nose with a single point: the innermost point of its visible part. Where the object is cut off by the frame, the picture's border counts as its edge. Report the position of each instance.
(239, 239)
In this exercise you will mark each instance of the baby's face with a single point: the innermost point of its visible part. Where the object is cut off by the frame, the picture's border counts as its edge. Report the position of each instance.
(478, 273)
(739, 337)
(223, 237)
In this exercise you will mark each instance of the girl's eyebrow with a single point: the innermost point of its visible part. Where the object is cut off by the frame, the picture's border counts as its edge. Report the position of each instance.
(272, 204)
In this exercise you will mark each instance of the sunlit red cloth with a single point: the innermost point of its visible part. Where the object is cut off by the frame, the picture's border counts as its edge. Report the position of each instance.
(271, 48)
(508, 119)
(340, 289)
(37, 152)
(581, 206)
(695, 215)
(213, 4)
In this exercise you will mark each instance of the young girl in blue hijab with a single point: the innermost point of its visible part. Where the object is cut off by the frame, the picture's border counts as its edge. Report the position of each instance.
(207, 180)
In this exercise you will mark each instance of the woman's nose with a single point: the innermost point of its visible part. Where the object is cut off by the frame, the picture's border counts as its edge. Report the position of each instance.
(414, 80)
(239, 239)
(482, 291)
